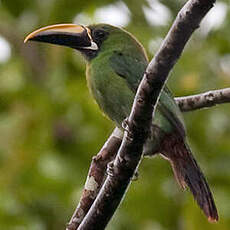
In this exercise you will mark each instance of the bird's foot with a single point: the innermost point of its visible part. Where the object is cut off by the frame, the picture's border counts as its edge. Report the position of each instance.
(125, 124)
(110, 169)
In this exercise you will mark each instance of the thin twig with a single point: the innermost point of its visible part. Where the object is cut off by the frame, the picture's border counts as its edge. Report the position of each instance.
(95, 178)
(203, 100)
(129, 156)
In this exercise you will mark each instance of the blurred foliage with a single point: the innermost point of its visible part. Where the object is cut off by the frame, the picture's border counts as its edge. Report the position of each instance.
(50, 127)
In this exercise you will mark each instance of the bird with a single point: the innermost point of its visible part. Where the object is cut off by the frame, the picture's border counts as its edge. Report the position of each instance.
(115, 65)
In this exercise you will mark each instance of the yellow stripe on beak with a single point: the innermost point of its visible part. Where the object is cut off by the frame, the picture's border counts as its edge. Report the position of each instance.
(71, 35)
(69, 28)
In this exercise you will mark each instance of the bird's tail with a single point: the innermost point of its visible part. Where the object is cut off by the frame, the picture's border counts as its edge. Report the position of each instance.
(188, 173)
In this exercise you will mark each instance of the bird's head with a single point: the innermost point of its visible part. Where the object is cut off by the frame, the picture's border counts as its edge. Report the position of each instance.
(89, 40)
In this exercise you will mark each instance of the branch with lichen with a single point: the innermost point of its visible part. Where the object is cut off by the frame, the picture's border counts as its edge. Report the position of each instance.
(203, 100)
(97, 171)
(95, 178)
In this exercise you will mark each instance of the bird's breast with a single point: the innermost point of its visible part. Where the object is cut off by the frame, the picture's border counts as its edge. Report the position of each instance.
(110, 91)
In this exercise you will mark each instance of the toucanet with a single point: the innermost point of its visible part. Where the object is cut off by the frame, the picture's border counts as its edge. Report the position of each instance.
(116, 62)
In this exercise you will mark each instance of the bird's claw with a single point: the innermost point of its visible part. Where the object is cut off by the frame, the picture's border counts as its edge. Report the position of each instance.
(125, 124)
(110, 168)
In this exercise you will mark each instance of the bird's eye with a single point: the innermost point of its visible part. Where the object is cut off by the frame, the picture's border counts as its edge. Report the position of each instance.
(99, 34)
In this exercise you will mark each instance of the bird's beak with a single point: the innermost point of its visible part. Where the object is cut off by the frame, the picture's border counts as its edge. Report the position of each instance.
(71, 35)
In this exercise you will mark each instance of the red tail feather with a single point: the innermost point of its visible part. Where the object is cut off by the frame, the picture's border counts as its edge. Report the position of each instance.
(188, 173)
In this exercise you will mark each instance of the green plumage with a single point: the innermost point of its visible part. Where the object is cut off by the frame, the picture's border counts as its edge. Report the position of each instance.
(115, 65)
(113, 77)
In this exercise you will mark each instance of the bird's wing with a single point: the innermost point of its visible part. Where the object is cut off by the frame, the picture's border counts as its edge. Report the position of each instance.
(129, 68)
(170, 110)
(168, 116)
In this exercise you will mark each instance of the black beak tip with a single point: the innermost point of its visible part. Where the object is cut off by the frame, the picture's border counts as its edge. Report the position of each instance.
(60, 38)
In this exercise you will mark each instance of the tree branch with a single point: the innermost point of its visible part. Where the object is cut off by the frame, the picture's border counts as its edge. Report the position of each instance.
(95, 178)
(126, 162)
(110, 148)
(203, 100)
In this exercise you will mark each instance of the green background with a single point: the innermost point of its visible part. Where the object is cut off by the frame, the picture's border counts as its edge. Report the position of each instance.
(50, 127)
